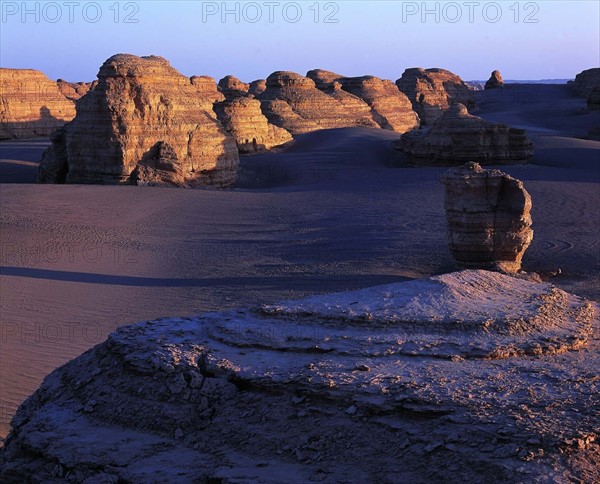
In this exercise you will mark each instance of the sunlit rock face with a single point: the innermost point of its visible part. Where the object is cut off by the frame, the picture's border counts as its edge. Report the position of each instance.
(74, 90)
(31, 105)
(483, 373)
(489, 218)
(137, 103)
(459, 137)
(293, 102)
(433, 91)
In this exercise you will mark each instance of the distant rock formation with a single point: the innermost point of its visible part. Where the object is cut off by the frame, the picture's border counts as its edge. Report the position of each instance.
(232, 87)
(293, 102)
(73, 90)
(323, 79)
(586, 81)
(432, 91)
(458, 137)
(406, 382)
(31, 105)
(243, 118)
(495, 81)
(489, 221)
(137, 103)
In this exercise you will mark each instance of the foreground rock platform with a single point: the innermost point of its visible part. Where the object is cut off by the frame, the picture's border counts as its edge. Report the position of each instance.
(475, 373)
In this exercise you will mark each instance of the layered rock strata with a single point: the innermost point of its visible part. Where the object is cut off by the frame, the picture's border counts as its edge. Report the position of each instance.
(458, 137)
(137, 103)
(433, 91)
(489, 218)
(31, 105)
(455, 373)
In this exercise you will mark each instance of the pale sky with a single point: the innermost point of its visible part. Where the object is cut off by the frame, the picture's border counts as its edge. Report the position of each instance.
(524, 40)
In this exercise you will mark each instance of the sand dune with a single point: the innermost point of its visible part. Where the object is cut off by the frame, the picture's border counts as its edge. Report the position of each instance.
(334, 212)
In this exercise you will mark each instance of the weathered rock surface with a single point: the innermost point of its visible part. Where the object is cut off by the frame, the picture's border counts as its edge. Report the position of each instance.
(31, 105)
(207, 88)
(232, 87)
(159, 167)
(458, 137)
(456, 374)
(586, 81)
(257, 87)
(73, 90)
(432, 91)
(495, 81)
(323, 79)
(137, 103)
(390, 107)
(293, 102)
(489, 220)
(243, 118)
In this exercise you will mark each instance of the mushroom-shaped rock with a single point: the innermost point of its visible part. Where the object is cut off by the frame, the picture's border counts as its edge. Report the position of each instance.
(489, 221)
(495, 81)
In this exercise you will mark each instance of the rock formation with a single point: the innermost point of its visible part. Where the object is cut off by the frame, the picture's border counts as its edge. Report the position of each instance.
(293, 102)
(593, 100)
(232, 87)
(495, 81)
(73, 90)
(323, 79)
(489, 221)
(456, 373)
(458, 137)
(31, 105)
(586, 81)
(432, 91)
(257, 87)
(137, 103)
(390, 108)
(243, 118)
(207, 88)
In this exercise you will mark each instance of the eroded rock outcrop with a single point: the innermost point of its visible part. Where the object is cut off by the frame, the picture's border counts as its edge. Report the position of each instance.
(232, 87)
(73, 90)
(495, 81)
(455, 373)
(433, 91)
(489, 220)
(458, 137)
(137, 103)
(31, 105)
(293, 102)
(257, 87)
(586, 81)
(593, 100)
(207, 88)
(243, 118)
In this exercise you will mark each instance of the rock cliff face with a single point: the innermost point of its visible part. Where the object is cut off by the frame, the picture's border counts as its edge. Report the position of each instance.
(455, 373)
(293, 102)
(257, 87)
(31, 104)
(586, 81)
(495, 81)
(73, 90)
(138, 103)
(489, 221)
(432, 91)
(207, 88)
(458, 137)
(593, 100)
(243, 118)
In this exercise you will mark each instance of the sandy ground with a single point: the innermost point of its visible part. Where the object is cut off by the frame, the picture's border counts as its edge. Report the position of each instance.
(335, 212)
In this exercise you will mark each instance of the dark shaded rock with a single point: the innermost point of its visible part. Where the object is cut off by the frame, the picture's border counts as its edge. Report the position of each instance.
(495, 81)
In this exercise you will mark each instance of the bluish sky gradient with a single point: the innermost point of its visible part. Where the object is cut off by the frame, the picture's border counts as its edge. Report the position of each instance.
(369, 37)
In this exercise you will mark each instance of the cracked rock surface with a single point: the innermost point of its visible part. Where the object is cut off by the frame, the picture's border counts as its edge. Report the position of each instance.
(478, 374)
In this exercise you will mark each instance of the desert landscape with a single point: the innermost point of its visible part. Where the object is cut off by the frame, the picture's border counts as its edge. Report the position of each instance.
(300, 278)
